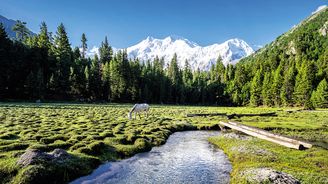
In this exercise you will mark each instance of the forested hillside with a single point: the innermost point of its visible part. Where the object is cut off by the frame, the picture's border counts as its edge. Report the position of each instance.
(291, 71)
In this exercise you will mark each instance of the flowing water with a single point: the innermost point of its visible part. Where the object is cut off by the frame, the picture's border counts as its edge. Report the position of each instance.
(186, 157)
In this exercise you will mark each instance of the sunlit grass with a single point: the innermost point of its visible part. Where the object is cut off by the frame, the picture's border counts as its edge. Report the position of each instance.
(102, 132)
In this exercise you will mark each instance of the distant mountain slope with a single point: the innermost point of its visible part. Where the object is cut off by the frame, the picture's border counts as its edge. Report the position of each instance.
(199, 57)
(8, 24)
(302, 39)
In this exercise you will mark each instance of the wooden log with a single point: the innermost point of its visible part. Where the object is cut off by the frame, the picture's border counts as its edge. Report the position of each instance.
(208, 114)
(290, 143)
(292, 110)
(260, 131)
(261, 114)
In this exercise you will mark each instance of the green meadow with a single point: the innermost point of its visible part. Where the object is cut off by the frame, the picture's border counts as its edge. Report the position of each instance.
(95, 133)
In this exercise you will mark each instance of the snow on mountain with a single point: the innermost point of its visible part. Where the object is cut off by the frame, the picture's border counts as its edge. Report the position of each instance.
(231, 51)
(319, 9)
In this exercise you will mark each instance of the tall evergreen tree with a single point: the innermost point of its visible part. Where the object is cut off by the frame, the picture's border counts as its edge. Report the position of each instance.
(267, 94)
(87, 77)
(304, 84)
(63, 54)
(288, 86)
(119, 76)
(320, 96)
(276, 86)
(21, 31)
(44, 37)
(240, 94)
(5, 48)
(95, 82)
(106, 81)
(84, 45)
(256, 90)
(105, 52)
(175, 77)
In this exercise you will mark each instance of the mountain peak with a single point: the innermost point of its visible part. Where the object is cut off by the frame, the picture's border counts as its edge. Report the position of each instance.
(149, 38)
(175, 37)
(199, 57)
(319, 9)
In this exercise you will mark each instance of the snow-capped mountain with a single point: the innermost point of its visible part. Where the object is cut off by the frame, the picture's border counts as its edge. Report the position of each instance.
(200, 57)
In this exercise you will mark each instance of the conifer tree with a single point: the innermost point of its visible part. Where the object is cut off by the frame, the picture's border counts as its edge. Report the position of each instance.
(87, 81)
(267, 95)
(5, 48)
(288, 86)
(21, 31)
(320, 96)
(44, 37)
(239, 95)
(119, 73)
(175, 77)
(220, 70)
(95, 79)
(84, 45)
(187, 74)
(256, 90)
(276, 86)
(106, 81)
(303, 84)
(105, 52)
(63, 54)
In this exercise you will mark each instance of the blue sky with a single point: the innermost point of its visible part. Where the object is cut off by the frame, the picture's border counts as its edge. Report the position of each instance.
(126, 22)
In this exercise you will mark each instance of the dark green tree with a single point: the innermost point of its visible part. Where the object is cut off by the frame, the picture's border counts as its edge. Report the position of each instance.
(105, 52)
(320, 96)
(84, 45)
(304, 84)
(21, 31)
(63, 54)
(5, 47)
(95, 82)
(287, 89)
(256, 89)
(276, 86)
(267, 95)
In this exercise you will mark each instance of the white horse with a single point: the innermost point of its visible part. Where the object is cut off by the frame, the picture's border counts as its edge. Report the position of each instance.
(138, 108)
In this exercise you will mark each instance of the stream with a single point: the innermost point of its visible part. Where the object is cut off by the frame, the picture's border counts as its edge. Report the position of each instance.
(186, 157)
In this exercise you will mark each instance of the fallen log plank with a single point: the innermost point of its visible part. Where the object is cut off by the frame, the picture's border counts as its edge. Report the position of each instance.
(230, 116)
(260, 131)
(208, 114)
(292, 110)
(290, 143)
